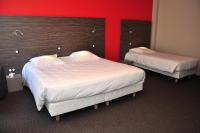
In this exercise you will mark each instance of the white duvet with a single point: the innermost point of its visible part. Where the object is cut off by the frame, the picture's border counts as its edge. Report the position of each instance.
(71, 80)
(161, 61)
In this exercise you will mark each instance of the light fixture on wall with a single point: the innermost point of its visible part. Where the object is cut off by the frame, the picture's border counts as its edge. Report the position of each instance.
(18, 34)
(17, 51)
(130, 43)
(94, 30)
(59, 48)
(130, 31)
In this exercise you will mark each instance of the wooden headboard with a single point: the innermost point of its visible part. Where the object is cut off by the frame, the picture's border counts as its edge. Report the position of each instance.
(134, 33)
(35, 36)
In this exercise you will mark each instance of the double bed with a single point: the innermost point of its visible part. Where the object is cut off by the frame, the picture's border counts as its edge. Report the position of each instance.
(164, 63)
(65, 84)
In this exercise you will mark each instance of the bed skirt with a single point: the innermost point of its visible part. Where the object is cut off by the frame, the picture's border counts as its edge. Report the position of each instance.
(71, 105)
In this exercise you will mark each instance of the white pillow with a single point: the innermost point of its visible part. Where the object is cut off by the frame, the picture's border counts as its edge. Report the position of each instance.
(83, 56)
(142, 50)
(46, 60)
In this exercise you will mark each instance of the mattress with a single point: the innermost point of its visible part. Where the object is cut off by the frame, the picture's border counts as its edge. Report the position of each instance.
(162, 61)
(72, 80)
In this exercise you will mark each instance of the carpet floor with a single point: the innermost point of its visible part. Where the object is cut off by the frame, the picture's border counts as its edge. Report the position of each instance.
(162, 107)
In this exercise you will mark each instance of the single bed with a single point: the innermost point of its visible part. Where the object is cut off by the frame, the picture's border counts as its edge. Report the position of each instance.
(164, 63)
(82, 79)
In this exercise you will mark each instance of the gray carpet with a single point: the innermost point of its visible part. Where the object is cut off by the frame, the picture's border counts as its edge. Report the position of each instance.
(163, 107)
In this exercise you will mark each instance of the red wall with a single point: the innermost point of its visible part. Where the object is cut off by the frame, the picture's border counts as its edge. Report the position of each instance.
(112, 10)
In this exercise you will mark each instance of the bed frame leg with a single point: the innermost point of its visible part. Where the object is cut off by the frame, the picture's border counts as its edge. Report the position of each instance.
(57, 117)
(134, 94)
(107, 103)
(96, 106)
(176, 80)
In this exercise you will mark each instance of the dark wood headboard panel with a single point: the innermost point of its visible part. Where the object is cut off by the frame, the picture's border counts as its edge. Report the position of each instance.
(134, 33)
(35, 36)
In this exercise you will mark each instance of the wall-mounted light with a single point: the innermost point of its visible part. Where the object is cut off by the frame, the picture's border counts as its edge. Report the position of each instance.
(59, 48)
(130, 43)
(93, 45)
(93, 30)
(18, 33)
(17, 51)
(130, 31)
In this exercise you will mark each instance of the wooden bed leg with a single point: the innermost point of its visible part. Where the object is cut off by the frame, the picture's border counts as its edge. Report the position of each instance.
(107, 103)
(134, 94)
(176, 80)
(96, 106)
(57, 117)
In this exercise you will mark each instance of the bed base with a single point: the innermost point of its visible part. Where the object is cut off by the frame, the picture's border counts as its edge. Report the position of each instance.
(56, 109)
(177, 75)
(57, 117)
(107, 103)
(96, 106)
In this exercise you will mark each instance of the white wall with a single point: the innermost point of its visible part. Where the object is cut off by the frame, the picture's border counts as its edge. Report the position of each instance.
(176, 27)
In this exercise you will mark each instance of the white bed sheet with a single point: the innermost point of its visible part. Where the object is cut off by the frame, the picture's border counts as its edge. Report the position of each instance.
(162, 61)
(71, 80)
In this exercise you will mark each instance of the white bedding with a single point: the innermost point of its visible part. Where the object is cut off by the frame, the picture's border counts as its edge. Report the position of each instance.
(161, 61)
(71, 80)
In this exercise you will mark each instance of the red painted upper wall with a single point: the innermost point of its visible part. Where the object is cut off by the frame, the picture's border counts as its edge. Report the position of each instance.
(112, 10)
